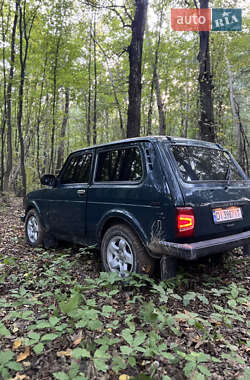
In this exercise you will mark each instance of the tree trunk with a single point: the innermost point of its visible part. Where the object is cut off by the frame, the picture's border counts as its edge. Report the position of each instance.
(185, 133)
(162, 121)
(4, 31)
(114, 89)
(9, 100)
(236, 117)
(160, 105)
(54, 104)
(206, 122)
(24, 31)
(89, 90)
(150, 109)
(135, 63)
(39, 117)
(60, 152)
(242, 140)
(95, 88)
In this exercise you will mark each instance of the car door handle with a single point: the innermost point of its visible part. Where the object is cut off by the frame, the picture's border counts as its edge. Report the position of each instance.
(81, 192)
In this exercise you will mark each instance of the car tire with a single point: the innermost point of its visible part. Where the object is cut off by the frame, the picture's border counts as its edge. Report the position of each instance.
(123, 252)
(33, 229)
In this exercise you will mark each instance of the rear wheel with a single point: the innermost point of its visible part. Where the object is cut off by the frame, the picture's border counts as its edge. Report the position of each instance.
(122, 252)
(33, 229)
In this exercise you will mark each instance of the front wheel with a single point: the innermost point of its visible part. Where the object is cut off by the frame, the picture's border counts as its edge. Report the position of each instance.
(33, 229)
(122, 252)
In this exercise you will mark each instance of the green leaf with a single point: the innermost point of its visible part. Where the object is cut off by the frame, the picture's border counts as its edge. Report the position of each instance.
(204, 370)
(61, 375)
(53, 321)
(234, 291)
(14, 366)
(4, 331)
(140, 337)
(100, 364)
(78, 353)
(127, 336)
(42, 325)
(189, 368)
(203, 299)
(132, 361)
(95, 324)
(126, 350)
(6, 356)
(70, 305)
(49, 337)
(108, 309)
(118, 363)
(188, 297)
(168, 356)
(102, 353)
(38, 348)
(232, 303)
(201, 357)
(34, 336)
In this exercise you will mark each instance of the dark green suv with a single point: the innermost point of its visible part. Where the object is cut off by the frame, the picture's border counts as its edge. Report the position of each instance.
(142, 200)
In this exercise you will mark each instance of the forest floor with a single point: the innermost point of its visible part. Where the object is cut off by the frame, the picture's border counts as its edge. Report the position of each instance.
(60, 318)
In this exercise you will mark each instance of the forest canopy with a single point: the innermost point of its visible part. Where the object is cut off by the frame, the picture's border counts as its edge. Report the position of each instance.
(65, 68)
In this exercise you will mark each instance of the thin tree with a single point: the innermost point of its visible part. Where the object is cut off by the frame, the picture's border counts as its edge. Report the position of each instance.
(9, 99)
(160, 105)
(135, 63)
(4, 30)
(95, 87)
(206, 122)
(25, 27)
(54, 102)
(89, 87)
(60, 151)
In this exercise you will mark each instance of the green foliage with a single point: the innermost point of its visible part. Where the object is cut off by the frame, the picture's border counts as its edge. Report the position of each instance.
(56, 307)
(7, 363)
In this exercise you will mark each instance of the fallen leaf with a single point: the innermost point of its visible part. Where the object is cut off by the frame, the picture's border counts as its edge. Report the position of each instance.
(19, 377)
(17, 344)
(26, 364)
(78, 339)
(124, 377)
(15, 328)
(68, 352)
(23, 355)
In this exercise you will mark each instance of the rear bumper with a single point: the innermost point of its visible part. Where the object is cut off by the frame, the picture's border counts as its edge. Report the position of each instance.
(193, 251)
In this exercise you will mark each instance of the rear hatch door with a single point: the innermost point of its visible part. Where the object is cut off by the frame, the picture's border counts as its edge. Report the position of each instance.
(216, 187)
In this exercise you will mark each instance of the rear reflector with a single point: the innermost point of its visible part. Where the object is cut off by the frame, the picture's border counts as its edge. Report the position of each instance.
(185, 221)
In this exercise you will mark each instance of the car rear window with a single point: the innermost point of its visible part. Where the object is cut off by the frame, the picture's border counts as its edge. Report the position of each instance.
(204, 164)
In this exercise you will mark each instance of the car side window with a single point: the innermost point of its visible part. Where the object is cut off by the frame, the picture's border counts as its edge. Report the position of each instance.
(77, 170)
(119, 165)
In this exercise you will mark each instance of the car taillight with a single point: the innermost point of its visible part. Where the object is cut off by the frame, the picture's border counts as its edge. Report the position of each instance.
(185, 222)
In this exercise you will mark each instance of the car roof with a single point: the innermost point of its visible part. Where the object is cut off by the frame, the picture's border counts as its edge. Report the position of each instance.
(167, 139)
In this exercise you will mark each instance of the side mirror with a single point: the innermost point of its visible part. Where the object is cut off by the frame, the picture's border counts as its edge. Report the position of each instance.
(49, 180)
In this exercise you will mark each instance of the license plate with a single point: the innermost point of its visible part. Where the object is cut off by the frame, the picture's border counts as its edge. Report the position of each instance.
(221, 215)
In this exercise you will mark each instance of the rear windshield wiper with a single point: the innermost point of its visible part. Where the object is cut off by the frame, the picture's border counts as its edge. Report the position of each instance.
(228, 173)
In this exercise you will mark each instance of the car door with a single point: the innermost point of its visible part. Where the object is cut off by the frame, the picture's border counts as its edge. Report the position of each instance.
(68, 200)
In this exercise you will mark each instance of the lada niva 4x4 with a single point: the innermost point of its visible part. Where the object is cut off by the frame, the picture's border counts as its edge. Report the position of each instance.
(144, 199)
